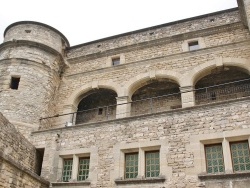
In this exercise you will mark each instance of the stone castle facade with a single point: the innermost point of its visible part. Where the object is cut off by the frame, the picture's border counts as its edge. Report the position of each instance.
(165, 106)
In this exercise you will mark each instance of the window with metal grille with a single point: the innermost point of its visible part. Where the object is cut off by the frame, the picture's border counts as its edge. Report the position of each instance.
(116, 61)
(152, 159)
(193, 45)
(67, 169)
(214, 159)
(240, 156)
(131, 165)
(83, 170)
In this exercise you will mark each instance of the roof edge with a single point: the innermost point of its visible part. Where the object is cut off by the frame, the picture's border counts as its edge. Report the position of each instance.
(36, 23)
(154, 27)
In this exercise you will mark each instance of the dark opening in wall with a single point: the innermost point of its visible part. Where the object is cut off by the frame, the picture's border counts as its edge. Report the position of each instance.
(116, 61)
(14, 82)
(193, 45)
(100, 110)
(39, 160)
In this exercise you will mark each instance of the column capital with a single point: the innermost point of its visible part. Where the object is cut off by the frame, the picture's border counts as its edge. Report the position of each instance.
(123, 99)
(186, 89)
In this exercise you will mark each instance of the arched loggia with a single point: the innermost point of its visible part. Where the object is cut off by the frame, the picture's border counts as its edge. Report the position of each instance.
(223, 83)
(96, 105)
(156, 95)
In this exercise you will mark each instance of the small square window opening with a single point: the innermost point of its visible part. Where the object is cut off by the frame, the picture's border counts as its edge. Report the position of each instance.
(14, 82)
(193, 45)
(116, 61)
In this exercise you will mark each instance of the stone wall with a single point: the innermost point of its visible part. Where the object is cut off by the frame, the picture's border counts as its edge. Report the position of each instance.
(154, 33)
(18, 159)
(174, 128)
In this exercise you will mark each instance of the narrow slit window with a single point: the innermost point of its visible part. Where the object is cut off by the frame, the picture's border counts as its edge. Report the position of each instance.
(193, 45)
(116, 61)
(100, 111)
(14, 82)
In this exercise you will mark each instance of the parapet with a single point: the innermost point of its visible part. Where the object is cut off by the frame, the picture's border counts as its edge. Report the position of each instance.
(36, 32)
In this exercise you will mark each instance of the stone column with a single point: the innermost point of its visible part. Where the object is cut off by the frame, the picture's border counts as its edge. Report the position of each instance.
(70, 117)
(123, 107)
(187, 96)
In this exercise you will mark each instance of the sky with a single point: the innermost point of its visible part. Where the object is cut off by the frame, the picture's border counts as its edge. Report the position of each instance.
(82, 21)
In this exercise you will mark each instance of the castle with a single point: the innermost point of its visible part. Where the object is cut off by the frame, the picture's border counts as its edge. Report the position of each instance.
(161, 107)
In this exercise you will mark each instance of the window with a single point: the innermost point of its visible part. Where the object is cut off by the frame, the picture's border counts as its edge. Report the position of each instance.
(14, 82)
(214, 159)
(141, 162)
(83, 170)
(131, 165)
(100, 111)
(194, 45)
(240, 156)
(152, 164)
(116, 61)
(67, 170)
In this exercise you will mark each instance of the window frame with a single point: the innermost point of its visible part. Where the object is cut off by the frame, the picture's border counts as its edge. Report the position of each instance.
(76, 154)
(120, 149)
(82, 158)
(210, 145)
(126, 154)
(231, 154)
(63, 170)
(197, 143)
(145, 153)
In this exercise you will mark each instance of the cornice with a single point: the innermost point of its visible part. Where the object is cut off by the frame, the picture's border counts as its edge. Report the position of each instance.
(165, 40)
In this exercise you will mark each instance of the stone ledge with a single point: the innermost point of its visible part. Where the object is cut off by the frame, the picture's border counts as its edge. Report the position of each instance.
(140, 180)
(66, 184)
(240, 175)
(132, 118)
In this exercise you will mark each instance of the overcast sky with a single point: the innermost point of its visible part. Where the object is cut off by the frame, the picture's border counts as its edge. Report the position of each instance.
(87, 20)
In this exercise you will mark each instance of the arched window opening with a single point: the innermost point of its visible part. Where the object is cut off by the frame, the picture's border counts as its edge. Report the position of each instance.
(222, 84)
(97, 105)
(156, 96)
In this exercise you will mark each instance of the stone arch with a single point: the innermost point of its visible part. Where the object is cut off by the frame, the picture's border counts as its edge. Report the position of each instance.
(138, 81)
(191, 77)
(76, 96)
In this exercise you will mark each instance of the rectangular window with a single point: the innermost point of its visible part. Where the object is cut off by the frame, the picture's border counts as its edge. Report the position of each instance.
(67, 169)
(131, 165)
(100, 111)
(193, 45)
(83, 170)
(152, 159)
(14, 82)
(240, 156)
(116, 61)
(214, 159)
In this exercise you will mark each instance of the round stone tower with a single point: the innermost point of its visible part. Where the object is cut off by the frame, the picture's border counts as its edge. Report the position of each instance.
(31, 65)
